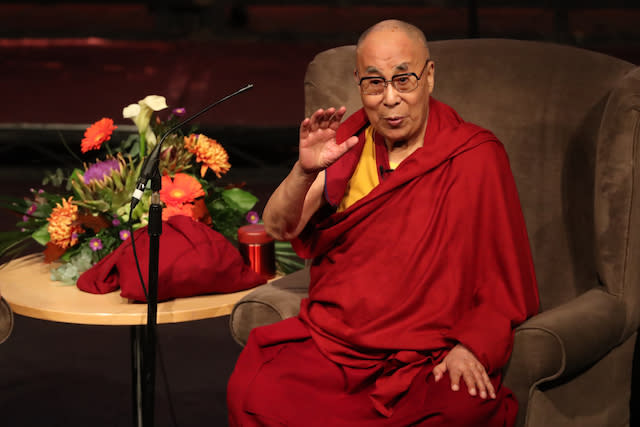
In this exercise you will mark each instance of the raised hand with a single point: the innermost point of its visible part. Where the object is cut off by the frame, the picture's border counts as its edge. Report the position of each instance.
(462, 363)
(318, 146)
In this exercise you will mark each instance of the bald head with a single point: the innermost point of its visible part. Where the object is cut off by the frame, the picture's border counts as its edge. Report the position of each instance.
(385, 51)
(391, 25)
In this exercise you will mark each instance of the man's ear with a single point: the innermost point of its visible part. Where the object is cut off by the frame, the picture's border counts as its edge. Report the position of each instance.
(355, 75)
(431, 76)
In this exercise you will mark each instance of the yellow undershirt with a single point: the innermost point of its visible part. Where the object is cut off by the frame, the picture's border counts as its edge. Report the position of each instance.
(365, 177)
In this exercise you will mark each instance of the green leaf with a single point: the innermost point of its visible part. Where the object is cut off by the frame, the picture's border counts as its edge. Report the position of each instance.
(117, 180)
(287, 260)
(132, 178)
(13, 244)
(93, 205)
(14, 204)
(78, 189)
(75, 175)
(41, 235)
(240, 198)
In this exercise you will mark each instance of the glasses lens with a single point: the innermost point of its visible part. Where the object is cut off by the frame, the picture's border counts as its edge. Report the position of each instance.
(372, 86)
(405, 82)
(401, 83)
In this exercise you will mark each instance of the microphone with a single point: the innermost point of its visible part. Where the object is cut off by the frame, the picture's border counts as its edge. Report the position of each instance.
(150, 165)
(384, 171)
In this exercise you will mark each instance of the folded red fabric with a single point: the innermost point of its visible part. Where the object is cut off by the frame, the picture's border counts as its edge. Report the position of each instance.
(194, 260)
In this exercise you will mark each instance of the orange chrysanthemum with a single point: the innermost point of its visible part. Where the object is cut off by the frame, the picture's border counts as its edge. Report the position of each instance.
(62, 228)
(185, 209)
(209, 153)
(181, 189)
(96, 134)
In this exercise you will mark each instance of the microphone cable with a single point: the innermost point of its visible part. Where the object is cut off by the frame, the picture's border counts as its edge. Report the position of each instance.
(148, 167)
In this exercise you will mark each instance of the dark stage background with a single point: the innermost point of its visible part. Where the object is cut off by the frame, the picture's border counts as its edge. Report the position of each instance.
(64, 65)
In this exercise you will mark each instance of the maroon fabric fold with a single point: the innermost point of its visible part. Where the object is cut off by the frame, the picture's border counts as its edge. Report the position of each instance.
(194, 260)
(435, 255)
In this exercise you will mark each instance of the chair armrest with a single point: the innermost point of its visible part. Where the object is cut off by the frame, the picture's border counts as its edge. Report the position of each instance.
(564, 340)
(6, 320)
(268, 304)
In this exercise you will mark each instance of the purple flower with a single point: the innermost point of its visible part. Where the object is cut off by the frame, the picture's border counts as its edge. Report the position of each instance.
(115, 222)
(253, 217)
(29, 212)
(124, 234)
(181, 111)
(99, 170)
(95, 244)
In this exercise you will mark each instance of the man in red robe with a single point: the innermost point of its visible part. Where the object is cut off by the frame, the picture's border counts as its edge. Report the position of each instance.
(421, 262)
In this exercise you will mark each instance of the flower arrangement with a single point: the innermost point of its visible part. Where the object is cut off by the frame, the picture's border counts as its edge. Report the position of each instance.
(87, 215)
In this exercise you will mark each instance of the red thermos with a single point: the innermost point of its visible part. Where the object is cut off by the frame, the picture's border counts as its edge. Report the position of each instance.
(258, 249)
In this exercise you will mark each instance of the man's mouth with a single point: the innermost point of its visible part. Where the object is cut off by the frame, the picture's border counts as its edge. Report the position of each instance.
(394, 121)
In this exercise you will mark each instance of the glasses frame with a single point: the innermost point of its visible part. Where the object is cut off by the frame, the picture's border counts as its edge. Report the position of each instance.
(386, 82)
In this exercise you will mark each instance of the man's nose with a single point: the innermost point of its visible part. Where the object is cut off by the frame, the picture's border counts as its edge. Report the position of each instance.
(390, 95)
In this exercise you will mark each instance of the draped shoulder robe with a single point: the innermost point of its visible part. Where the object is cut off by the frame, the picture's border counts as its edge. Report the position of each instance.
(437, 254)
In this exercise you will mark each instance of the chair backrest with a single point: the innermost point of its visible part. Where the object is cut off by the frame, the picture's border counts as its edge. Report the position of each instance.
(559, 111)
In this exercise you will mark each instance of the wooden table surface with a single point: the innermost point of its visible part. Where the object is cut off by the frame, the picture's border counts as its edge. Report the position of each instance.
(26, 285)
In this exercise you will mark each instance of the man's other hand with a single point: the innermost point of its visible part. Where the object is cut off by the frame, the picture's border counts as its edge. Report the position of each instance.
(462, 363)
(318, 146)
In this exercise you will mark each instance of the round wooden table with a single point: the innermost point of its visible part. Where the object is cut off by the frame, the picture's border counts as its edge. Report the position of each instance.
(27, 286)
(25, 283)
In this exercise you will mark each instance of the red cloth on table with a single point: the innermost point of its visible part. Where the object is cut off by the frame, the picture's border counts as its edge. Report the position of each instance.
(194, 260)
(437, 254)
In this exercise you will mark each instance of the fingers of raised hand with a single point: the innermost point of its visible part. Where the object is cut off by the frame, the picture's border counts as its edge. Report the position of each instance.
(336, 117)
(305, 128)
(327, 119)
(321, 119)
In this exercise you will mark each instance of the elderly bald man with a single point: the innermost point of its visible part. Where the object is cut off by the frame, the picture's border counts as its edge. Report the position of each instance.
(421, 262)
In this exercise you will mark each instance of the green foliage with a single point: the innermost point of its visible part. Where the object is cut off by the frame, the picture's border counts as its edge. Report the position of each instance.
(228, 209)
(41, 235)
(69, 272)
(287, 261)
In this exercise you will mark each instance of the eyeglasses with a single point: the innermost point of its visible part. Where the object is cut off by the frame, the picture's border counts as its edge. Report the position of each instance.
(403, 83)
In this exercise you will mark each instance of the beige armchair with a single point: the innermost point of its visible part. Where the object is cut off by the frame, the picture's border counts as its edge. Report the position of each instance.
(570, 121)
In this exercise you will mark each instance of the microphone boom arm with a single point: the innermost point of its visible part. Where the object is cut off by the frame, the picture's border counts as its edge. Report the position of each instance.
(150, 164)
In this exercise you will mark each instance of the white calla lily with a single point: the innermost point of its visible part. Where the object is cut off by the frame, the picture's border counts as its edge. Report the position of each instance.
(155, 102)
(141, 113)
(131, 111)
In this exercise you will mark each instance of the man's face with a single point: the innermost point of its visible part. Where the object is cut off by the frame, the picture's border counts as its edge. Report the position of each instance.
(399, 117)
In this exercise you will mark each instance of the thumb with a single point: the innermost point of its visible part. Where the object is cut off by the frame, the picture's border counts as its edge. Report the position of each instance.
(348, 144)
(439, 370)
(341, 149)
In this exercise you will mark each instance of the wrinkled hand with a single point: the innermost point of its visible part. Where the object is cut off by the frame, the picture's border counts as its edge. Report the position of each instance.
(462, 363)
(318, 147)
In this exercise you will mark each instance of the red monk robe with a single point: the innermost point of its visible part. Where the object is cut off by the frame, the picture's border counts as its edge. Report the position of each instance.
(437, 254)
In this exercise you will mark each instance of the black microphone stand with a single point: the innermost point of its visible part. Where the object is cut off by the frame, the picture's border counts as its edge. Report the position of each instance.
(149, 349)
(151, 171)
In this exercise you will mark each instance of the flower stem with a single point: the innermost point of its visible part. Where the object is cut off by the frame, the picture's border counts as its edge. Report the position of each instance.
(143, 145)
